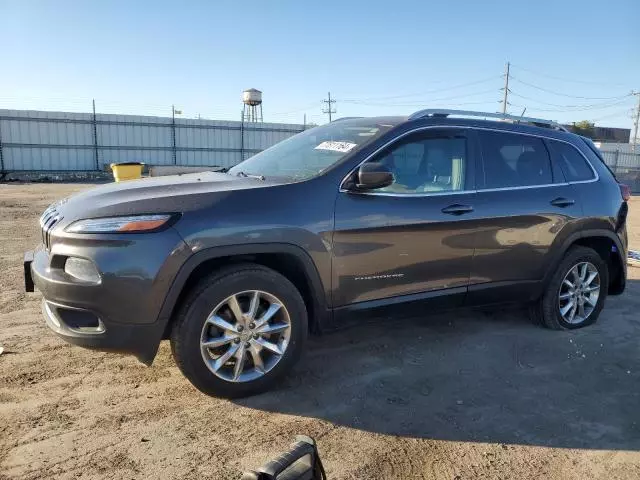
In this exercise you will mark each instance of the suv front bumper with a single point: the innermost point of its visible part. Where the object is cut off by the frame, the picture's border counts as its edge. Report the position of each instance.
(121, 313)
(135, 340)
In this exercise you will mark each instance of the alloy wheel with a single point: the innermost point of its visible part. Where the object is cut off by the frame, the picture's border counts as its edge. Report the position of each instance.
(245, 336)
(579, 292)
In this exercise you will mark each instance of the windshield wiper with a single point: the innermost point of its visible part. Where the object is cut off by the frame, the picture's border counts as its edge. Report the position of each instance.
(248, 175)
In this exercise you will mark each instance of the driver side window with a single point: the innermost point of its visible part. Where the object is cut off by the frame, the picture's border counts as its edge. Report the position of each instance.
(424, 163)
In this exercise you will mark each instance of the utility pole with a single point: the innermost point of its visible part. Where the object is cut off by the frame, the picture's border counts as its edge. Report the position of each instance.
(1, 157)
(329, 108)
(174, 153)
(242, 135)
(506, 88)
(95, 136)
(636, 122)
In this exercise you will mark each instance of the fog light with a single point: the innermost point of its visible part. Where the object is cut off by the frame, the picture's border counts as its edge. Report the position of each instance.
(82, 269)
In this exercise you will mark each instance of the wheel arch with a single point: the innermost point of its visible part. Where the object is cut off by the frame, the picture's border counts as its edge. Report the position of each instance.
(287, 259)
(608, 246)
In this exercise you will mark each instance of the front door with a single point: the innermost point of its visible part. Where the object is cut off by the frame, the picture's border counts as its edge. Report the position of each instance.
(415, 236)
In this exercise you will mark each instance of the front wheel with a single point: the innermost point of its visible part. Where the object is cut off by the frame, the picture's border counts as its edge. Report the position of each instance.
(239, 331)
(576, 293)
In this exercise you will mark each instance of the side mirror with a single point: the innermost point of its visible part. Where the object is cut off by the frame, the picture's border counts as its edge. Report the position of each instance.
(373, 175)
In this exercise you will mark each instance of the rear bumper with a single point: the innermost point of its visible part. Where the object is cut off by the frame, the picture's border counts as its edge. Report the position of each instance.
(618, 283)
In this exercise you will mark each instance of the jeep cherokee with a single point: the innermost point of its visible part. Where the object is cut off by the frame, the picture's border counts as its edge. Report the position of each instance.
(359, 216)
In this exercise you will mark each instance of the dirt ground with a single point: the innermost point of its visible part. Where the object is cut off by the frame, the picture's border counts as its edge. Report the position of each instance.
(455, 395)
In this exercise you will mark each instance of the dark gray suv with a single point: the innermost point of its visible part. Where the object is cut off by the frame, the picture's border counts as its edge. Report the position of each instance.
(355, 217)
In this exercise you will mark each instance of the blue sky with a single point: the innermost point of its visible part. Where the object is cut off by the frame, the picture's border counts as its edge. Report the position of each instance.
(572, 60)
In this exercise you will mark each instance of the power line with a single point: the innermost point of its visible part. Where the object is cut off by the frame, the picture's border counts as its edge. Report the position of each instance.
(306, 107)
(329, 108)
(417, 102)
(565, 94)
(610, 115)
(566, 110)
(620, 100)
(587, 82)
(422, 105)
(471, 103)
(426, 92)
(596, 119)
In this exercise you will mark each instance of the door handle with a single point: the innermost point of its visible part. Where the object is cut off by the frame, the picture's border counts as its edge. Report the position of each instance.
(562, 202)
(457, 209)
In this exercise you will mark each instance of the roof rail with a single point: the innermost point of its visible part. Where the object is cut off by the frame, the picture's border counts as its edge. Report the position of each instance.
(538, 122)
(344, 118)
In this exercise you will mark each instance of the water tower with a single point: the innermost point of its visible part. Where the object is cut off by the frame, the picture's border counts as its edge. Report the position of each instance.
(252, 108)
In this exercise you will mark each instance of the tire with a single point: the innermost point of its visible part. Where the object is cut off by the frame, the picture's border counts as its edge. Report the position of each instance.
(547, 310)
(197, 362)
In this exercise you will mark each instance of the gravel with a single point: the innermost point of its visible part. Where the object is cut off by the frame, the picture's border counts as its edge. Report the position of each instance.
(462, 394)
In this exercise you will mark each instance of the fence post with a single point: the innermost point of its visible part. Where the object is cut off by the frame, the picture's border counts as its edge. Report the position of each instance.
(242, 138)
(1, 153)
(95, 136)
(615, 161)
(173, 135)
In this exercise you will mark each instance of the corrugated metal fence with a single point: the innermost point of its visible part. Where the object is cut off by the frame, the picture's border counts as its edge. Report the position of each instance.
(59, 141)
(626, 167)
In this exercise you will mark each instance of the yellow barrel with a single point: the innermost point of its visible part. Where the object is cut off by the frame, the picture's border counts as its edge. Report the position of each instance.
(126, 171)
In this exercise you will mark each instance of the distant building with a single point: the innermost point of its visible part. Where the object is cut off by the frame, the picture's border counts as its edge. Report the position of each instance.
(605, 134)
(617, 147)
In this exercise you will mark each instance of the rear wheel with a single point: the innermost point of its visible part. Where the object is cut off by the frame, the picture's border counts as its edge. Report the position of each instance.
(239, 331)
(576, 293)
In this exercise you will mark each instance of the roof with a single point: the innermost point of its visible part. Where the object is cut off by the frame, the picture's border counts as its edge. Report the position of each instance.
(533, 126)
(504, 117)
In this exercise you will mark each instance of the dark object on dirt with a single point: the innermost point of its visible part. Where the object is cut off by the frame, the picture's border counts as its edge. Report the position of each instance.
(301, 462)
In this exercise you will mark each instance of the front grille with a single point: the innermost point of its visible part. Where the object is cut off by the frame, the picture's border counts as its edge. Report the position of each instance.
(48, 220)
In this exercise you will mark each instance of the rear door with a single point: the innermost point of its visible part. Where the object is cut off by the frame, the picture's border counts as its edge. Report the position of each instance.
(524, 207)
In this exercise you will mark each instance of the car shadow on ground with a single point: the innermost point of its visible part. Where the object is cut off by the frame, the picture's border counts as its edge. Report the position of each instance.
(477, 376)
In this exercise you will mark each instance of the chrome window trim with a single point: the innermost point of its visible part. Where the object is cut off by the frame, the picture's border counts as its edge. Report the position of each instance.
(523, 187)
(458, 192)
(408, 195)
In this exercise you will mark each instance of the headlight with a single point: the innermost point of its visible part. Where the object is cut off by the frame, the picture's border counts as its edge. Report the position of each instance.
(129, 224)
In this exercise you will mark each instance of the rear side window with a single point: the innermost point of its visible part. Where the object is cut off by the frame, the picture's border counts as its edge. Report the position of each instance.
(573, 164)
(513, 160)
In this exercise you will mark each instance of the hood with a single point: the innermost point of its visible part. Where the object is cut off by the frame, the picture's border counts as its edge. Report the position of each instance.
(167, 194)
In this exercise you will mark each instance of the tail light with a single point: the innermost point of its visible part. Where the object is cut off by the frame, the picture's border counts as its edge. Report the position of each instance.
(625, 191)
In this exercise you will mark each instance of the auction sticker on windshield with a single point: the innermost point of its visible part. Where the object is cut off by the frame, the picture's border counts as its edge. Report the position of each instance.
(336, 146)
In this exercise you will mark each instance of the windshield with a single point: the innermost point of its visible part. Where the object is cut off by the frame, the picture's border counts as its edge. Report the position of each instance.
(311, 152)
